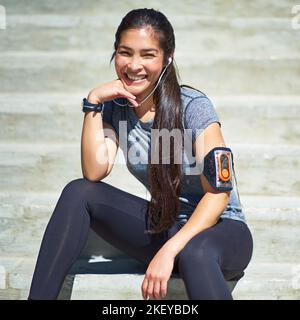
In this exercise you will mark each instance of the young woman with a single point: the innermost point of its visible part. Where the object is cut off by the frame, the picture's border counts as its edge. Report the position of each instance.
(194, 224)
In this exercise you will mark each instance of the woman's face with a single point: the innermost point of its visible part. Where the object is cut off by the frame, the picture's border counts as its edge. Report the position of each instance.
(138, 61)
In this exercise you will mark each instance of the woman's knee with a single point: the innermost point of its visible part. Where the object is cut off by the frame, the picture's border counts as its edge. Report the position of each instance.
(84, 193)
(80, 186)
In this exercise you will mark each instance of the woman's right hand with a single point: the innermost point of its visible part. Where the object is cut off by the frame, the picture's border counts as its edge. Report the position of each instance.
(109, 91)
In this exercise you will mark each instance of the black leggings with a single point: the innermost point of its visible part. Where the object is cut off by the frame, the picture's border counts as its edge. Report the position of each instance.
(210, 258)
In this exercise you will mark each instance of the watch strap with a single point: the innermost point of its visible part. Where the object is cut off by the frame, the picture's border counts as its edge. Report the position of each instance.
(88, 106)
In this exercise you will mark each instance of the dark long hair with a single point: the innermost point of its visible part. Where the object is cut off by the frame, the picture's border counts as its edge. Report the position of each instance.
(164, 179)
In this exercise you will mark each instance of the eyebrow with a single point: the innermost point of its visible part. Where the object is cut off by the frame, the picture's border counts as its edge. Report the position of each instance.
(146, 50)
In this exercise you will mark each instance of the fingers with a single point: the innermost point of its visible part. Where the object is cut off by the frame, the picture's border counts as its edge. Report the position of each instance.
(144, 288)
(120, 91)
(154, 289)
(133, 102)
(163, 288)
(149, 292)
(147, 289)
(130, 97)
(111, 90)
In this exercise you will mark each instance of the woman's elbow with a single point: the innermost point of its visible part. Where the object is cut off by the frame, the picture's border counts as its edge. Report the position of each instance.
(92, 178)
(222, 197)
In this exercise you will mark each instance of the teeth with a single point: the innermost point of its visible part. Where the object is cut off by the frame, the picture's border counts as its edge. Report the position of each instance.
(135, 78)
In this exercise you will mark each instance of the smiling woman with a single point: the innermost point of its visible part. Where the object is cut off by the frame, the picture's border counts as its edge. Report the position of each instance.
(139, 67)
(144, 50)
(193, 224)
(132, 77)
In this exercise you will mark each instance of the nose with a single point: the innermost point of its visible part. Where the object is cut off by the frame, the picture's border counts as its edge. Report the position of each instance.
(134, 64)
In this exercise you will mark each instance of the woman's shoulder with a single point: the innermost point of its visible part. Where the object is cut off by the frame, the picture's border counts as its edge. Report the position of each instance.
(189, 93)
(194, 100)
(199, 111)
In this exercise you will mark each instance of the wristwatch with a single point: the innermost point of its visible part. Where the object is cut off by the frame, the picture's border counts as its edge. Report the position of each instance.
(87, 106)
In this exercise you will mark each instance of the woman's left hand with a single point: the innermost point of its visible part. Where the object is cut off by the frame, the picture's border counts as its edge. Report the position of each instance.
(157, 275)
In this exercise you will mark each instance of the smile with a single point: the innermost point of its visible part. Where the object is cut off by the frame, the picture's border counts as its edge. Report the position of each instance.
(136, 79)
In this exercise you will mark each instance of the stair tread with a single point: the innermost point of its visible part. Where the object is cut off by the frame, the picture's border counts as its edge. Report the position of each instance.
(258, 9)
(253, 201)
(40, 146)
(24, 265)
(271, 278)
(69, 20)
(201, 58)
(48, 102)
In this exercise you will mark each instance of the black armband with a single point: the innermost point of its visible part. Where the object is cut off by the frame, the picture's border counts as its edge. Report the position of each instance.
(218, 168)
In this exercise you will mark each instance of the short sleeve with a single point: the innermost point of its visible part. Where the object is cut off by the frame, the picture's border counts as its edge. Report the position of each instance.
(200, 113)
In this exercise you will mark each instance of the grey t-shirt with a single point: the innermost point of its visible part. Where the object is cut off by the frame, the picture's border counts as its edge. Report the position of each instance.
(135, 142)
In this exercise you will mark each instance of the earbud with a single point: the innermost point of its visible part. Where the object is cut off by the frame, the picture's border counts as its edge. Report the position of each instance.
(169, 61)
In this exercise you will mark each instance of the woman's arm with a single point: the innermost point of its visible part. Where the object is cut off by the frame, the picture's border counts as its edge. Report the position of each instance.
(212, 204)
(93, 139)
(99, 148)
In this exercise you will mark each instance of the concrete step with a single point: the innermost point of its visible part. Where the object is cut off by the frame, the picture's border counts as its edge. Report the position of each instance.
(23, 238)
(16, 275)
(128, 274)
(38, 71)
(263, 9)
(260, 36)
(96, 278)
(19, 271)
(259, 119)
(269, 281)
(273, 221)
(36, 205)
(245, 119)
(261, 281)
(48, 167)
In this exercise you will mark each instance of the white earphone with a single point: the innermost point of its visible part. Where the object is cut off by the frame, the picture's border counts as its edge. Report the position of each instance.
(169, 61)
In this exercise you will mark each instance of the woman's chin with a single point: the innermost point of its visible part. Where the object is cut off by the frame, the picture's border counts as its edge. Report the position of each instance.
(138, 93)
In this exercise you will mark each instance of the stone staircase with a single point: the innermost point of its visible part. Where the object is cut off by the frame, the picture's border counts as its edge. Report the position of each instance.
(245, 56)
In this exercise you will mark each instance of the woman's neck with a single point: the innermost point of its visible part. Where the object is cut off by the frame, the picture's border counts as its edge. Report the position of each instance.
(146, 110)
(147, 106)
